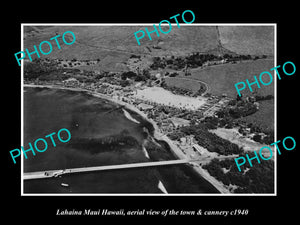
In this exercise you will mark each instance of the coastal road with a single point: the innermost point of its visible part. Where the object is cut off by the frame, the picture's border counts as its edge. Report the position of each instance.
(55, 173)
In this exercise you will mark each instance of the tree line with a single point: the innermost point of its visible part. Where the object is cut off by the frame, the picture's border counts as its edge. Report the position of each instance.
(256, 179)
(197, 60)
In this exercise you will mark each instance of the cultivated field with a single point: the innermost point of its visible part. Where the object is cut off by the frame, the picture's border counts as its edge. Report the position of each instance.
(115, 44)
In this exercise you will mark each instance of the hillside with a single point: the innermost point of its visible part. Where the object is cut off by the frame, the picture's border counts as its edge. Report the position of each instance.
(94, 42)
(257, 40)
(221, 78)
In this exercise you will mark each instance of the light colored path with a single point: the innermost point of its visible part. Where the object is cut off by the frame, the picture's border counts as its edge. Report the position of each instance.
(55, 173)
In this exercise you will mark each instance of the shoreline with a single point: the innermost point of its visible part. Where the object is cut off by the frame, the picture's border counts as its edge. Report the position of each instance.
(156, 134)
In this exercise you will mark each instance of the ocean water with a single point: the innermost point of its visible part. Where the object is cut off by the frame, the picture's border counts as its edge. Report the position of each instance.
(102, 134)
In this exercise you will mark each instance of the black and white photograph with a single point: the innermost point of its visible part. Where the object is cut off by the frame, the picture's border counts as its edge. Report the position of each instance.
(162, 117)
(133, 113)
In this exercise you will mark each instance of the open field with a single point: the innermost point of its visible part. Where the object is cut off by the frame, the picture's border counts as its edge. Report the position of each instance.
(264, 117)
(221, 78)
(162, 96)
(259, 39)
(182, 83)
(94, 41)
(118, 42)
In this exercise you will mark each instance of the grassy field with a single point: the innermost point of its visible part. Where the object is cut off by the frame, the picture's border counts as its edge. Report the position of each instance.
(221, 78)
(183, 40)
(115, 44)
(264, 117)
(96, 41)
(259, 40)
(183, 84)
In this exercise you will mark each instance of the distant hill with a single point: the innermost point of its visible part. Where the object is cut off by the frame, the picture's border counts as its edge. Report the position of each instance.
(96, 40)
(118, 42)
(256, 40)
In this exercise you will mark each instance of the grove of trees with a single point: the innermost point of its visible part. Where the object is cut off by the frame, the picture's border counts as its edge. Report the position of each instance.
(257, 179)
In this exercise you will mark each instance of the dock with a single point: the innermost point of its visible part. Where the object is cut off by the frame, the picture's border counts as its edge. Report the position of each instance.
(56, 173)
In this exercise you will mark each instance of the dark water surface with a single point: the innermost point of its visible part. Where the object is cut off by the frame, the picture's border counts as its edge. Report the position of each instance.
(101, 135)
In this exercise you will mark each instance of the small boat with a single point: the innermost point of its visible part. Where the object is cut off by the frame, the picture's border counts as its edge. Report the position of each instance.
(56, 174)
(64, 185)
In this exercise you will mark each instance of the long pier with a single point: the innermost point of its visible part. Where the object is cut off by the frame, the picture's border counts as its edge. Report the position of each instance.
(55, 173)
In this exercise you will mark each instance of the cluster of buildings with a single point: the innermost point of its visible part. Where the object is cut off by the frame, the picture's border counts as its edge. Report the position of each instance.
(214, 104)
(168, 118)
